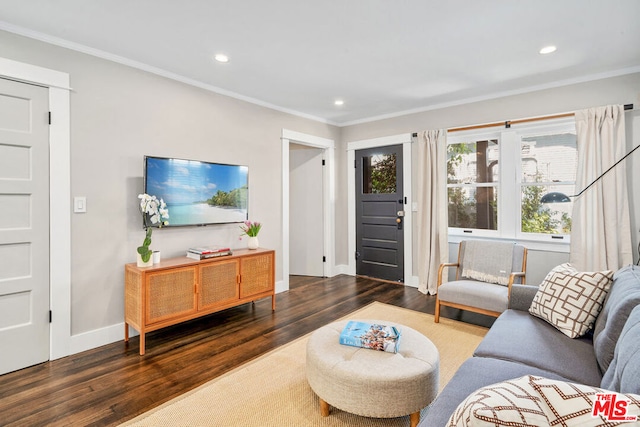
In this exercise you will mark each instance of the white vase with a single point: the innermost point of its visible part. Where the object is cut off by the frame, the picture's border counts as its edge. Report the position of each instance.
(142, 263)
(253, 243)
(156, 257)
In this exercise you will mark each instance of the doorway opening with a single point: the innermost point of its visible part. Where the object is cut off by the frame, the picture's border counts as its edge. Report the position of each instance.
(305, 152)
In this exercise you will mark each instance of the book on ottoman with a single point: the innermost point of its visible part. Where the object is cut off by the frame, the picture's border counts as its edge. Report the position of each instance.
(373, 336)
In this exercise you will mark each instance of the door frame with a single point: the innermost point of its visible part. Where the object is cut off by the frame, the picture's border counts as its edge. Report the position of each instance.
(328, 199)
(405, 140)
(59, 195)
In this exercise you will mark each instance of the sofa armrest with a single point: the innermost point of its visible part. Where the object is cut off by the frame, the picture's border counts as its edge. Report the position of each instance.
(522, 296)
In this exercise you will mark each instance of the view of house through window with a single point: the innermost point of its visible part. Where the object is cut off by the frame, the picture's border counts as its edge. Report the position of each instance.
(495, 181)
(548, 163)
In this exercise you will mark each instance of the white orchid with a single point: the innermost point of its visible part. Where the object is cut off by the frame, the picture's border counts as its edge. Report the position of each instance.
(156, 212)
(153, 210)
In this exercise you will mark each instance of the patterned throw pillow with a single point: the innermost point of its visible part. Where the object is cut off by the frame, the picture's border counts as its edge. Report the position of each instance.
(570, 300)
(536, 401)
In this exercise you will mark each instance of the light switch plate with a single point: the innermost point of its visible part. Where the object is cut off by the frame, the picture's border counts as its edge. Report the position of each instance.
(79, 204)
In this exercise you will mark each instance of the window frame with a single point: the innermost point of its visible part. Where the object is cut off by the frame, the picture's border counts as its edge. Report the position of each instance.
(509, 185)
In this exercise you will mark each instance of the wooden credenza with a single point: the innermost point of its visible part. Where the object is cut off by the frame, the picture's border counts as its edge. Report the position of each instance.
(180, 289)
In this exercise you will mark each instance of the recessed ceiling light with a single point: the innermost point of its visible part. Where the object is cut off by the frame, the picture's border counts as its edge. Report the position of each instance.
(547, 49)
(338, 102)
(221, 57)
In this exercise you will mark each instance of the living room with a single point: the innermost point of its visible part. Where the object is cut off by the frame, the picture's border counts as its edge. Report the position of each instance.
(119, 111)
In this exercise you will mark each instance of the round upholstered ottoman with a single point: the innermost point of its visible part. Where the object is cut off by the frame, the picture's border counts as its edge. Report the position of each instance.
(373, 383)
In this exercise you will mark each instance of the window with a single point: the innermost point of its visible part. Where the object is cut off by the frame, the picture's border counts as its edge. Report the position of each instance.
(472, 181)
(495, 181)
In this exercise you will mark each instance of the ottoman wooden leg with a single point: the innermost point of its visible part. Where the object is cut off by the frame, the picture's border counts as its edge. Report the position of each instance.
(414, 419)
(324, 408)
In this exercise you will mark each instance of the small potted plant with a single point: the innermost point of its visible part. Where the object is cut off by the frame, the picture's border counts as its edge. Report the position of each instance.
(154, 213)
(251, 229)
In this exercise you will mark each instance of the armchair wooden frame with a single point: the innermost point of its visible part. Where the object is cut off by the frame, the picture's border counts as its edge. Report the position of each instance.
(512, 278)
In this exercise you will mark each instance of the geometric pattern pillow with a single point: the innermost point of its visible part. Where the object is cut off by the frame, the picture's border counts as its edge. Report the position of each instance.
(571, 300)
(536, 401)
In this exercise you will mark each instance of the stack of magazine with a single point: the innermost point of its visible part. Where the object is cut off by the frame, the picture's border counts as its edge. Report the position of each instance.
(373, 336)
(207, 252)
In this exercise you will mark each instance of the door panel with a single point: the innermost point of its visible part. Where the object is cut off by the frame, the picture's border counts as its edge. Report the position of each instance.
(379, 213)
(24, 225)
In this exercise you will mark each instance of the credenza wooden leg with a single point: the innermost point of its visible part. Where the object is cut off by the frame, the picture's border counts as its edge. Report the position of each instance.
(141, 343)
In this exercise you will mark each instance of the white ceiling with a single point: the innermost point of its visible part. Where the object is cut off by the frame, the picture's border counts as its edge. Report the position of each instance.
(382, 57)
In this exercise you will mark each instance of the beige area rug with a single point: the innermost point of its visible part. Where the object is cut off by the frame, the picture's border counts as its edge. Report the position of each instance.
(272, 390)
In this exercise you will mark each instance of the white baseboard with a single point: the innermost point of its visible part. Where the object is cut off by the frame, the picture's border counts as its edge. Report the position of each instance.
(412, 281)
(280, 287)
(99, 337)
(340, 269)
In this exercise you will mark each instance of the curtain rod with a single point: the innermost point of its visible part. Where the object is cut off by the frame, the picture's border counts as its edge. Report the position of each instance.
(507, 124)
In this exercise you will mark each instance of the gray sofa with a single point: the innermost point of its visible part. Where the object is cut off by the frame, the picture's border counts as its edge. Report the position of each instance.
(520, 344)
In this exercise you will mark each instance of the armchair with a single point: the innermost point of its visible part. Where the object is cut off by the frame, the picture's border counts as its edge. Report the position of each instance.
(485, 272)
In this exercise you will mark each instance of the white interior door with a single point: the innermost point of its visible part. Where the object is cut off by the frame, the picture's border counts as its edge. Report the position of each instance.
(24, 225)
(306, 221)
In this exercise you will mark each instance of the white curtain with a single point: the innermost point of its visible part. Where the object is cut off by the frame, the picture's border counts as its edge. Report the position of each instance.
(601, 229)
(432, 207)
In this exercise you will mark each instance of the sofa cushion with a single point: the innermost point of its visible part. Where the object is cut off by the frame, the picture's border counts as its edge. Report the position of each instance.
(474, 373)
(571, 300)
(520, 337)
(483, 295)
(537, 401)
(623, 297)
(623, 374)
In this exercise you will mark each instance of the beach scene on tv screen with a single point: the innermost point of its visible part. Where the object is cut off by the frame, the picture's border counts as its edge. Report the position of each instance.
(198, 192)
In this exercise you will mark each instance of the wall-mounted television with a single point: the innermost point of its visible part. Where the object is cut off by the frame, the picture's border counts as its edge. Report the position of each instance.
(198, 192)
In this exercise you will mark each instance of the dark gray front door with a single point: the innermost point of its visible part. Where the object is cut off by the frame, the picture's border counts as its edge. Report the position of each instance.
(380, 213)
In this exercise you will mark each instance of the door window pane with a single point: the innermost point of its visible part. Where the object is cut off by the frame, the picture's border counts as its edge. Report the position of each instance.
(379, 174)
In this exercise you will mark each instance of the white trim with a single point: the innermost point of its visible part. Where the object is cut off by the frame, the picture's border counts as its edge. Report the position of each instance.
(496, 95)
(151, 69)
(59, 193)
(404, 139)
(328, 202)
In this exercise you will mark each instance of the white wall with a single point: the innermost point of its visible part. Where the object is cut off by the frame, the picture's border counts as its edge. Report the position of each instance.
(119, 114)
(616, 90)
(306, 243)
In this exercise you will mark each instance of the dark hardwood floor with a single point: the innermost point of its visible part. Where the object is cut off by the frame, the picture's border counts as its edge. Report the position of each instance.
(113, 383)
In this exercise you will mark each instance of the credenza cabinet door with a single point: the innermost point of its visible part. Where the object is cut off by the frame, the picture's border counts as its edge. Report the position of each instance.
(256, 275)
(170, 294)
(218, 283)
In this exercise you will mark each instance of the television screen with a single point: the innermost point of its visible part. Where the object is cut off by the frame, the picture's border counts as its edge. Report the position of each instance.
(196, 192)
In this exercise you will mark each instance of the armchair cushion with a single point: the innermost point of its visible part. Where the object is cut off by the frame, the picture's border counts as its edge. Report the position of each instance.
(487, 296)
(571, 300)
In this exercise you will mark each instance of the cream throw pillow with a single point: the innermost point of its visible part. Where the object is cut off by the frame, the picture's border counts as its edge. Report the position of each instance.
(571, 300)
(537, 401)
